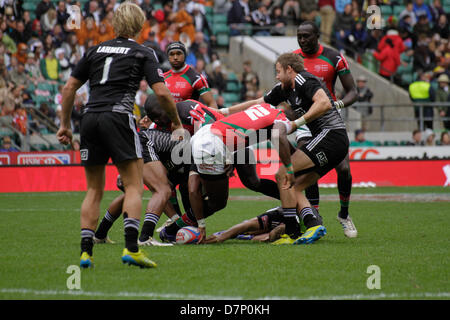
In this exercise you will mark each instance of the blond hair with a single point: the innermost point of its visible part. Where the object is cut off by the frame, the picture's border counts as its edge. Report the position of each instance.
(128, 20)
(291, 59)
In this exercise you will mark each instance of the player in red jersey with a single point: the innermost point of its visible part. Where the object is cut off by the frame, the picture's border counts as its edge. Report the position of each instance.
(213, 146)
(328, 64)
(183, 81)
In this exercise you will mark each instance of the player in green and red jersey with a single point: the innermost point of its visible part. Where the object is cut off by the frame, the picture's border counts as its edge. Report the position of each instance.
(183, 81)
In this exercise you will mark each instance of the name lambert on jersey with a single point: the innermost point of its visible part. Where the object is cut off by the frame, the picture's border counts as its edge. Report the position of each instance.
(108, 49)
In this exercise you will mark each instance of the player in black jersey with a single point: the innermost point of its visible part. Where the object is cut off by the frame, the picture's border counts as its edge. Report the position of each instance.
(313, 105)
(114, 70)
(164, 169)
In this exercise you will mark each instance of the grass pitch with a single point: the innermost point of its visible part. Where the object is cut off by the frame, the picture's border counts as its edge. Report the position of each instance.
(408, 240)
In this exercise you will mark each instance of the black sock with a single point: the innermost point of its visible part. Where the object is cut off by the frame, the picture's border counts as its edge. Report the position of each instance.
(312, 193)
(148, 228)
(87, 241)
(105, 225)
(308, 217)
(269, 188)
(292, 222)
(131, 228)
(345, 189)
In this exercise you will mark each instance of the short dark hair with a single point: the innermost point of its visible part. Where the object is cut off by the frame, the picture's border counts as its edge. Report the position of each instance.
(312, 24)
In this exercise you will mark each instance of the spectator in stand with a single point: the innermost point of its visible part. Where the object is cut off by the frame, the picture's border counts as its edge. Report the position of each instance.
(249, 79)
(358, 37)
(201, 23)
(9, 43)
(48, 43)
(365, 95)
(184, 21)
(279, 22)
(422, 26)
(416, 138)
(93, 10)
(222, 6)
(59, 36)
(48, 20)
(422, 91)
(396, 40)
(308, 10)
(343, 27)
(7, 145)
(292, 8)
(430, 138)
(73, 50)
(200, 67)
(420, 8)
(88, 31)
(21, 33)
(33, 69)
(64, 64)
(238, 15)
(445, 139)
(442, 27)
(443, 95)
(218, 78)
(21, 53)
(261, 21)
(360, 139)
(61, 14)
(42, 8)
(327, 16)
(436, 10)
(220, 100)
(389, 60)
(199, 39)
(409, 11)
(424, 58)
(50, 67)
(19, 76)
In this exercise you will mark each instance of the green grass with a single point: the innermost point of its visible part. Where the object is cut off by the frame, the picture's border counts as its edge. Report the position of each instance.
(408, 240)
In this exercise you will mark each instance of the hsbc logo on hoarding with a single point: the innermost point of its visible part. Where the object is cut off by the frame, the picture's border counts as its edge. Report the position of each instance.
(43, 159)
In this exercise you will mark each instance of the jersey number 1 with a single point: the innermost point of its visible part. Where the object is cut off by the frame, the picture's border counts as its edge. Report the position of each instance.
(106, 67)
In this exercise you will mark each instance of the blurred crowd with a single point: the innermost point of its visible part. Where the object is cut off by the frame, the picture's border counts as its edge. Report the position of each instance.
(42, 40)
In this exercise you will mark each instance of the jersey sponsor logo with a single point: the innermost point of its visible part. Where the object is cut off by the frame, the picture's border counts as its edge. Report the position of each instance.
(108, 49)
(319, 68)
(322, 158)
(84, 153)
(180, 84)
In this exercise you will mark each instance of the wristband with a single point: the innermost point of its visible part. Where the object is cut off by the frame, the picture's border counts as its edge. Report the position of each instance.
(225, 111)
(201, 223)
(339, 104)
(300, 121)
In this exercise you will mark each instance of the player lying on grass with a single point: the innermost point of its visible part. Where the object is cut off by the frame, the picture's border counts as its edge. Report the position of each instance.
(267, 227)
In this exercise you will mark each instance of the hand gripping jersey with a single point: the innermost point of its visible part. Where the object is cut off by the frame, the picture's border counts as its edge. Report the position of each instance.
(186, 84)
(114, 69)
(300, 99)
(193, 115)
(326, 64)
(245, 128)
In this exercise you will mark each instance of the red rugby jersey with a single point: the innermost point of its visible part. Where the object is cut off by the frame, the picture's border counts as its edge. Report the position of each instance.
(326, 64)
(186, 84)
(245, 128)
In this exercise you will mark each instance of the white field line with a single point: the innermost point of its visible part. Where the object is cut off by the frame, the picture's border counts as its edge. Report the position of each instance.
(180, 296)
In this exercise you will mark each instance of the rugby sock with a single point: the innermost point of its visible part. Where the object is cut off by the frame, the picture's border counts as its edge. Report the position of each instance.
(292, 223)
(148, 228)
(312, 193)
(308, 218)
(345, 189)
(105, 225)
(131, 228)
(87, 241)
(269, 188)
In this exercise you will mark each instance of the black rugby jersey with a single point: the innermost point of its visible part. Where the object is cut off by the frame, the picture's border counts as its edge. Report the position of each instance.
(300, 99)
(159, 146)
(114, 69)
